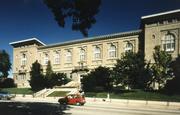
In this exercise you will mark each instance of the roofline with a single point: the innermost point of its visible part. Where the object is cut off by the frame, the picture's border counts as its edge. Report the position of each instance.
(102, 37)
(26, 40)
(160, 14)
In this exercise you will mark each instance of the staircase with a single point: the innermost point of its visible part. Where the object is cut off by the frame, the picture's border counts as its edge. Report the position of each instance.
(71, 87)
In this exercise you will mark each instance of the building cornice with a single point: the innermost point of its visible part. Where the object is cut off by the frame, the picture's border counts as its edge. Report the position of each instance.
(96, 38)
(160, 14)
(26, 41)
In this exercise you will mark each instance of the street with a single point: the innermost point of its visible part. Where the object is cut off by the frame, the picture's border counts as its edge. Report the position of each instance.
(43, 106)
(89, 109)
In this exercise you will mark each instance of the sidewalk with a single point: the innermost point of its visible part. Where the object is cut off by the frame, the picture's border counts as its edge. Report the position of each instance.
(107, 102)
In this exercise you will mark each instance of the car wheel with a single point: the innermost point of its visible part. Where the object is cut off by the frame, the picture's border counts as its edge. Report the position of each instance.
(78, 103)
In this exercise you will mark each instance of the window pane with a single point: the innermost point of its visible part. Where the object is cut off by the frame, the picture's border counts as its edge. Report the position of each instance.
(112, 51)
(97, 53)
(169, 43)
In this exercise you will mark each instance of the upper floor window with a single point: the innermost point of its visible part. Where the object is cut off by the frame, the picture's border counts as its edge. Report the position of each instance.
(46, 59)
(57, 58)
(128, 47)
(82, 54)
(68, 57)
(168, 42)
(112, 51)
(97, 53)
(23, 59)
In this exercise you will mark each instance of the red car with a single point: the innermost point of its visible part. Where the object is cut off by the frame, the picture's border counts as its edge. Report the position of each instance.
(73, 99)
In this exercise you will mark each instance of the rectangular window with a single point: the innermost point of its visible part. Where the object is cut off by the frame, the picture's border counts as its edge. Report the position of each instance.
(57, 58)
(23, 59)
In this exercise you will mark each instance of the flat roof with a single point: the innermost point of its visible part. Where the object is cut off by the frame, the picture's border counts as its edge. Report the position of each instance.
(160, 14)
(27, 41)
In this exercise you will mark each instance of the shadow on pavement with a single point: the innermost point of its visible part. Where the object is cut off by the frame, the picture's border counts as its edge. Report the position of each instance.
(19, 108)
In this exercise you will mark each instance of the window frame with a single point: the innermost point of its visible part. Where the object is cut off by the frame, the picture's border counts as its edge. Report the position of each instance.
(23, 59)
(68, 56)
(97, 53)
(46, 58)
(57, 58)
(128, 48)
(112, 53)
(168, 43)
(82, 55)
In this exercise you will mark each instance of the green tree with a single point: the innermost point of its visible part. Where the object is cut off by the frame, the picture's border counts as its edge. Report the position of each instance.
(161, 70)
(81, 12)
(131, 71)
(5, 64)
(7, 83)
(173, 85)
(59, 79)
(48, 75)
(37, 81)
(98, 80)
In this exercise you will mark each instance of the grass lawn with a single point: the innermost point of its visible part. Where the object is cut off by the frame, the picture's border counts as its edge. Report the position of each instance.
(58, 94)
(18, 90)
(137, 95)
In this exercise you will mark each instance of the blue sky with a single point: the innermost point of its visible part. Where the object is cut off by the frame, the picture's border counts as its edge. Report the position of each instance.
(22, 19)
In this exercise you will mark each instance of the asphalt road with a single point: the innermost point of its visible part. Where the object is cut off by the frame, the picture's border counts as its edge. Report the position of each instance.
(29, 106)
(107, 110)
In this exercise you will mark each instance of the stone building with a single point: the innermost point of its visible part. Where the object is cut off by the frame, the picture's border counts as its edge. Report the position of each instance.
(157, 29)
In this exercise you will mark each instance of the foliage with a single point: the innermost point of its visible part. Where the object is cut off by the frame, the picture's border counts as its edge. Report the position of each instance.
(54, 79)
(136, 95)
(58, 79)
(131, 71)
(48, 75)
(18, 90)
(82, 13)
(161, 70)
(5, 64)
(37, 81)
(79, 70)
(98, 79)
(173, 85)
(7, 83)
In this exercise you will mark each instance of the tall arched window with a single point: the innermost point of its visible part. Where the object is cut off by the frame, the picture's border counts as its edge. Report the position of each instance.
(128, 47)
(68, 57)
(23, 59)
(168, 42)
(57, 58)
(82, 54)
(112, 51)
(97, 53)
(46, 58)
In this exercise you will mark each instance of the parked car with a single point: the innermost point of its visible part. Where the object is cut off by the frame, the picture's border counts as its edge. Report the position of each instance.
(6, 95)
(73, 99)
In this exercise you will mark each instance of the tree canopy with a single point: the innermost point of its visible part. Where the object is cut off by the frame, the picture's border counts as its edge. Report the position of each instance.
(5, 64)
(37, 81)
(161, 70)
(130, 71)
(98, 80)
(173, 85)
(81, 12)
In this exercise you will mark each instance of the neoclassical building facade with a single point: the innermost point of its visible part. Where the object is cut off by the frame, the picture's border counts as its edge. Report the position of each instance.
(157, 29)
